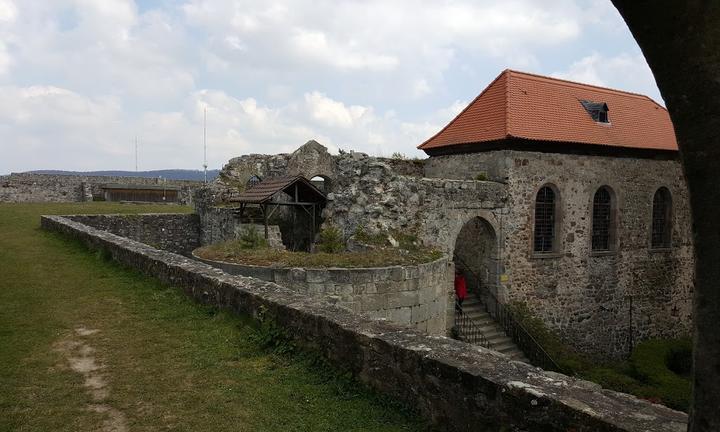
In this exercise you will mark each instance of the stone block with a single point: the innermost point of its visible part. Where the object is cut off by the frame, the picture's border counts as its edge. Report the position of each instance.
(298, 274)
(371, 302)
(420, 313)
(400, 316)
(402, 299)
(316, 275)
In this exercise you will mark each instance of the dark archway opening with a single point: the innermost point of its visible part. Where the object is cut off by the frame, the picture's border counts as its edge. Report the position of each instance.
(322, 182)
(475, 255)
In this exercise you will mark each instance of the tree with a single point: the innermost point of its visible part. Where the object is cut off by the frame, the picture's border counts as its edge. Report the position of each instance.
(681, 42)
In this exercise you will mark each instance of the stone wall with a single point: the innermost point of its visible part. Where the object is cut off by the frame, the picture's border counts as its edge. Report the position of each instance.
(29, 187)
(419, 296)
(492, 166)
(585, 295)
(178, 233)
(310, 160)
(370, 195)
(457, 386)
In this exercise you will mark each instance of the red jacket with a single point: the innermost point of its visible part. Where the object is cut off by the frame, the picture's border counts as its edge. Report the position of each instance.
(460, 287)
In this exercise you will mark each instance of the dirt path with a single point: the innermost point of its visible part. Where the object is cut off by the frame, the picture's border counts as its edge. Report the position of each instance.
(81, 358)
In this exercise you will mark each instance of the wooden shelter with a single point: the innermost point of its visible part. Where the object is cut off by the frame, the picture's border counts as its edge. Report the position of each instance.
(267, 195)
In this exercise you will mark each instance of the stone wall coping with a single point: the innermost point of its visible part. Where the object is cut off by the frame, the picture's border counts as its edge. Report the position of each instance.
(458, 386)
(441, 260)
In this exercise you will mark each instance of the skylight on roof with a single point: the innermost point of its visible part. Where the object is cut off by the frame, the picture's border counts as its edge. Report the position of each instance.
(597, 110)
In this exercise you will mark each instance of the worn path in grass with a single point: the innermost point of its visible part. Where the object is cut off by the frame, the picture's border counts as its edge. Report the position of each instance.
(86, 345)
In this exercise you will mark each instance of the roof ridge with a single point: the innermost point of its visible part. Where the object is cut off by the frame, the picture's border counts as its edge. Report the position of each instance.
(467, 108)
(563, 81)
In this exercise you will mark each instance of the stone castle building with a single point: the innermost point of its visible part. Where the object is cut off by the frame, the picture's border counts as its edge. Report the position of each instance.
(568, 198)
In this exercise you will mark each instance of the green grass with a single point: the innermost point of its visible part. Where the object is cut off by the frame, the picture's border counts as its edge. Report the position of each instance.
(170, 364)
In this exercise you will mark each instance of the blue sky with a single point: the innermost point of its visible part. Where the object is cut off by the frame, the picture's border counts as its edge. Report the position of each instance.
(80, 79)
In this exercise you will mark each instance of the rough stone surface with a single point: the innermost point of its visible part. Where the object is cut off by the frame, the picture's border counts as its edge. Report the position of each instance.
(28, 187)
(457, 386)
(419, 296)
(583, 295)
(178, 233)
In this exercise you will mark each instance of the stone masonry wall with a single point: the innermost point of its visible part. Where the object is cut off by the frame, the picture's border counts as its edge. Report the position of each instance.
(310, 160)
(178, 233)
(493, 166)
(457, 386)
(29, 187)
(419, 296)
(370, 195)
(585, 295)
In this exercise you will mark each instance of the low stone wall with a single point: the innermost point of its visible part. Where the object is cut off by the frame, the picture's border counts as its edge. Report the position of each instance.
(31, 187)
(457, 386)
(420, 296)
(179, 233)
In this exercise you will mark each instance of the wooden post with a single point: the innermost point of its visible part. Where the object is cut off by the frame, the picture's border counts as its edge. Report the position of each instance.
(313, 224)
(265, 219)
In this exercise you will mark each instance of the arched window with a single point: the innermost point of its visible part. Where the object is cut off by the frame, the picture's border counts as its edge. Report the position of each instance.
(661, 219)
(545, 220)
(603, 227)
(252, 181)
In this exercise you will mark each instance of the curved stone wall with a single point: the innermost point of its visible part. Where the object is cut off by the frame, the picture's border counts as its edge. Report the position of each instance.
(414, 295)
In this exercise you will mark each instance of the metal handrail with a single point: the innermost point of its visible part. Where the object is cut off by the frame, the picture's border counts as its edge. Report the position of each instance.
(514, 328)
(468, 330)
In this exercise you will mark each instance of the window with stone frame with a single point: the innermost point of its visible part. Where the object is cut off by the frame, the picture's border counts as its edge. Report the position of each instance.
(545, 220)
(602, 220)
(661, 219)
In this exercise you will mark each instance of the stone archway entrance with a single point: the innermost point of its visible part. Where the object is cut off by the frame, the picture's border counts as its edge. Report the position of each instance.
(476, 255)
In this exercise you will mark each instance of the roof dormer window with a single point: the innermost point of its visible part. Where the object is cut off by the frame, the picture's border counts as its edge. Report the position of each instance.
(597, 110)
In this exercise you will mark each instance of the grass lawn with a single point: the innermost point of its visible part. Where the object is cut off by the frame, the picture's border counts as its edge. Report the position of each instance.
(88, 345)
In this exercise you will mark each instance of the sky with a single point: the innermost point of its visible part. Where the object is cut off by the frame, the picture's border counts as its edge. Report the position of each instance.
(82, 80)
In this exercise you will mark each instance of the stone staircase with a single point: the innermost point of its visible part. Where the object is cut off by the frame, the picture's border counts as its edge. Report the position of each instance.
(495, 334)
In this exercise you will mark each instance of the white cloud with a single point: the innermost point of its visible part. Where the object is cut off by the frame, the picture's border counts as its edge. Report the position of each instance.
(625, 72)
(333, 113)
(315, 46)
(421, 88)
(86, 76)
(8, 11)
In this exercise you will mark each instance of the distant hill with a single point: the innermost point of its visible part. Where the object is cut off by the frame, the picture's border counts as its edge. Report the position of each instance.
(170, 174)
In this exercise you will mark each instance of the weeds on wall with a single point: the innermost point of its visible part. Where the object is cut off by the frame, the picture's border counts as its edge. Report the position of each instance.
(657, 370)
(250, 238)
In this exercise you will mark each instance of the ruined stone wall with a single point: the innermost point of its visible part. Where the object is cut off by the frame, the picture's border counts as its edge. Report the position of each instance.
(370, 195)
(457, 386)
(420, 296)
(29, 187)
(585, 295)
(311, 159)
(178, 233)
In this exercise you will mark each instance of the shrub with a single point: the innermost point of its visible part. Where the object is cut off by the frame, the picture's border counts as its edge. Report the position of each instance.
(651, 362)
(398, 155)
(331, 240)
(250, 238)
(481, 177)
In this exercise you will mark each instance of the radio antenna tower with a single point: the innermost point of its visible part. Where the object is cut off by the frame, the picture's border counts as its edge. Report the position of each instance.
(205, 143)
(136, 154)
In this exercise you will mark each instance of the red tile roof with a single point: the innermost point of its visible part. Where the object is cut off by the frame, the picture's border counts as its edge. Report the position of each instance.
(538, 108)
